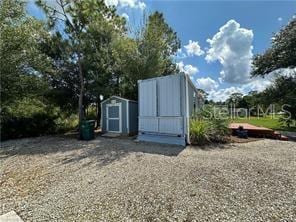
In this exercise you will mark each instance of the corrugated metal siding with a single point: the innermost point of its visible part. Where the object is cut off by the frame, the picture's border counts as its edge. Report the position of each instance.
(161, 105)
(147, 98)
(169, 94)
(148, 124)
(171, 125)
(192, 99)
(166, 104)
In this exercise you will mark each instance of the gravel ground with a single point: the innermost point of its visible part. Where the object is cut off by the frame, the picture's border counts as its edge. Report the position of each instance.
(62, 179)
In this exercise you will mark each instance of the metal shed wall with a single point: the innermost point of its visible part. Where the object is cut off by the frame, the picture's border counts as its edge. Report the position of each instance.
(161, 106)
(165, 105)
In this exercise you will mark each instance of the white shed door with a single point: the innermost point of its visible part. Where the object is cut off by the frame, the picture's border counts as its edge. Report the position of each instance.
(169, 96)
(148, 98)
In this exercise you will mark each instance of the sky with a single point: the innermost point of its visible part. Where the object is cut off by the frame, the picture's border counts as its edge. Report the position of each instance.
(219, 38)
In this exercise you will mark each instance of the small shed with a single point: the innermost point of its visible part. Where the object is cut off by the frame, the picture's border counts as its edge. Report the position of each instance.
(165, 107)
(119, 115)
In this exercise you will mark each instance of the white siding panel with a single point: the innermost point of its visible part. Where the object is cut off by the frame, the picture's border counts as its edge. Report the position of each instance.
(148, 124)
(169, 96)
(147, 98)
(171, 125)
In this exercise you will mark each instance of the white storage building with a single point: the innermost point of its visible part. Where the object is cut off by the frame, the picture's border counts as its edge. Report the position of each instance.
(165, 106)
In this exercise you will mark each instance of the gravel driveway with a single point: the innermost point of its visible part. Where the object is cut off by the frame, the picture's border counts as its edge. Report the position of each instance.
(62, 179)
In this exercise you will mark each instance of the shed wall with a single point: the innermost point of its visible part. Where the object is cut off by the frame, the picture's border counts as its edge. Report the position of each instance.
(133, 117)
(147, 98)
(161, 106)
(169, 96)
(166, 104)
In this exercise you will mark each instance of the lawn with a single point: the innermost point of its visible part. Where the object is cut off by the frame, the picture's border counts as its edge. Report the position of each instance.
(267, 121)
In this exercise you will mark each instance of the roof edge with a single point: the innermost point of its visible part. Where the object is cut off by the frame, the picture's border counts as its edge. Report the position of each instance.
(118, 97)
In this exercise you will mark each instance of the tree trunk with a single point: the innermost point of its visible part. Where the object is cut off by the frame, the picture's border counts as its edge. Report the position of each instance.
(80, 102)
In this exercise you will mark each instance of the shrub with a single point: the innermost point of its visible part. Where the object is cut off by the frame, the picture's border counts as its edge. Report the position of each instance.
(199, 131)
(31, 117)
(208, 125)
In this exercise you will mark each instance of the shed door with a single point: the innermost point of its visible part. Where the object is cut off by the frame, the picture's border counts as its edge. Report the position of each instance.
(114, 117)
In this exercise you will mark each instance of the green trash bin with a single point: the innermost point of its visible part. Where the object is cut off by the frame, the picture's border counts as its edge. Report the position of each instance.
(87, 130)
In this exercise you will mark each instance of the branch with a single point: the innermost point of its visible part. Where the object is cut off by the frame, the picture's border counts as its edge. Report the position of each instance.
(62, 5)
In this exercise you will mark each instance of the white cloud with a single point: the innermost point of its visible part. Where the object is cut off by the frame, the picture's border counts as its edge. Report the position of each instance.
(127, 3)
(207, 84)
(142, 5)
(280, 19)
(187, 69)
(180, 54)
(125, 16)
(223, 94)
(256, 84)
(193, 48)
(232, 47)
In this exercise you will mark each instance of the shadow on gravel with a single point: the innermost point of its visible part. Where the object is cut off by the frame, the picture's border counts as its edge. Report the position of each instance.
(104, 151)
(40, 145)
(101, 151)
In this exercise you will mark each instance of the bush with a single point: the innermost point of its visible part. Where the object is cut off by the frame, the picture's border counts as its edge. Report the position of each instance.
(31, 117)
(199, 131)
(208, 125)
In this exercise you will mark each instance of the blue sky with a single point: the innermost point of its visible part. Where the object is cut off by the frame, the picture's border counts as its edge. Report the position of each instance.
(236, 29)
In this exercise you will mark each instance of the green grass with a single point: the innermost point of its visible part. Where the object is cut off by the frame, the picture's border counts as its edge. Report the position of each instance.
(267, 121)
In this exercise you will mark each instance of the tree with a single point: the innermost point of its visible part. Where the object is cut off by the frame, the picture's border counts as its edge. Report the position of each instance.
(158, 45)
(149, 54)
(25, 110)
(21, 60)
(84, 26)
(281, 54)
(234, 99)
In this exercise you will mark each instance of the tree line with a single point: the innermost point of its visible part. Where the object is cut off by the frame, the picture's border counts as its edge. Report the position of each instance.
(79, 53)
(54, 68)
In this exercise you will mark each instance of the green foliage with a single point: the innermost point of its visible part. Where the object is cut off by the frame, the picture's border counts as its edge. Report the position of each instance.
(26, 117)
(21, 61)
(209, 125)
(283, 92)
(51, 68)
(88, 28)
(31, 117)
(22, 64)
(199, 131)
(147, 55)
(158, 44)
(282, 53)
